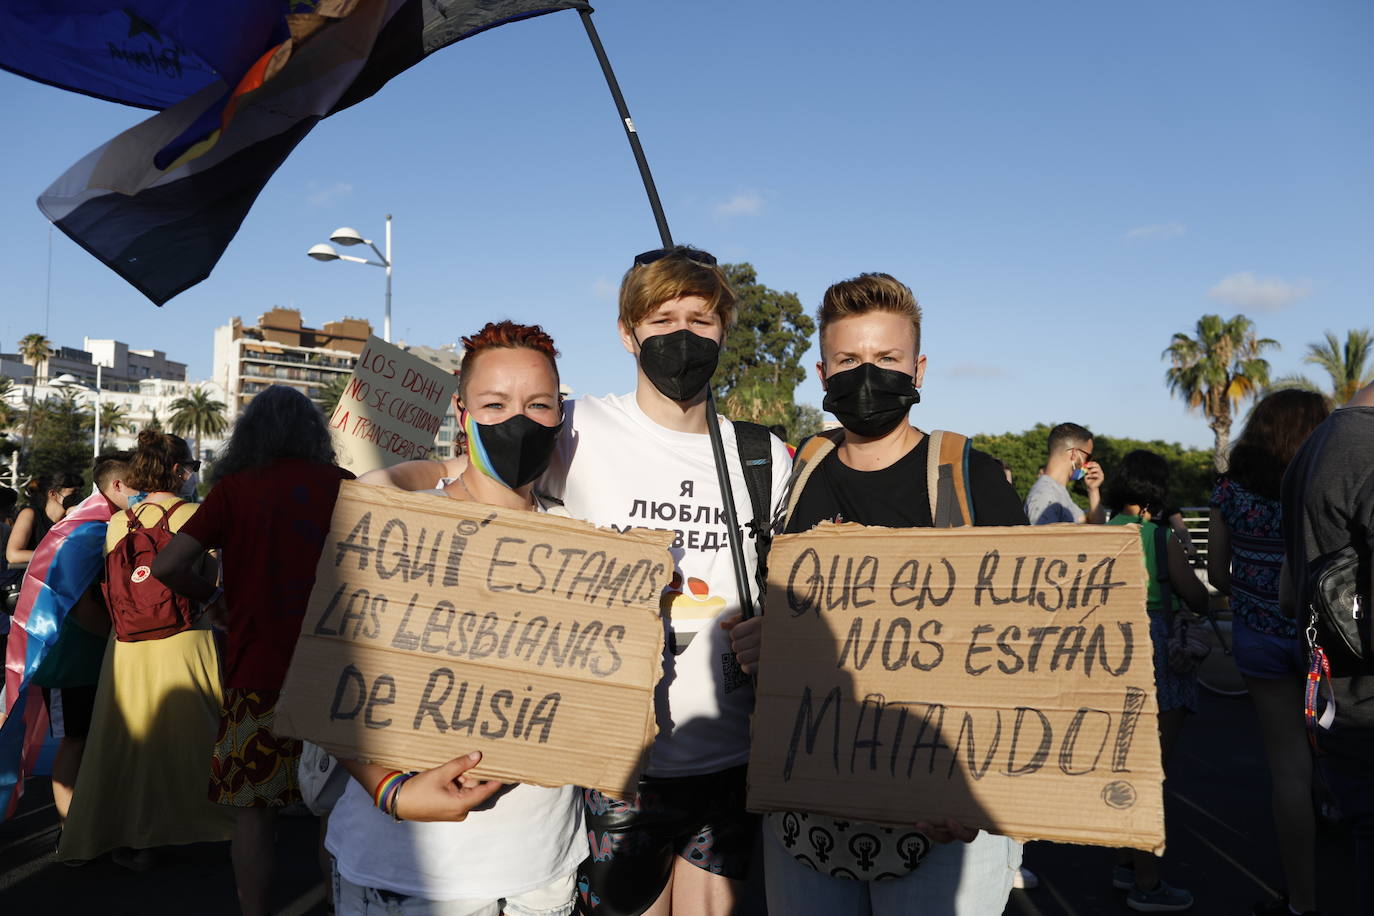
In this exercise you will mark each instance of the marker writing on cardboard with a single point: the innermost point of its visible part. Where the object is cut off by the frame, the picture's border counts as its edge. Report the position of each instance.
(530, 718)
(842, 734)
(843, 581)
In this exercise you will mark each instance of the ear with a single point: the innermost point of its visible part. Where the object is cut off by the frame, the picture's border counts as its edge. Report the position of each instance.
(627, 339)
(457, 404)
(820, 372)
(920, 370)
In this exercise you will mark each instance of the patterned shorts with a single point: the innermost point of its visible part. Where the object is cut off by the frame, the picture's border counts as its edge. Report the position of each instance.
(252, 768)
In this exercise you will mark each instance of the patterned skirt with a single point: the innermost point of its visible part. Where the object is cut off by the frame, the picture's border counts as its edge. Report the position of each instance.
(253, 768)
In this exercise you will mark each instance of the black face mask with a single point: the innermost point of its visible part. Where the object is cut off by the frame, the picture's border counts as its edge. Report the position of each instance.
(679, 364)
(512, 452)
(868, 400)
(73, 499)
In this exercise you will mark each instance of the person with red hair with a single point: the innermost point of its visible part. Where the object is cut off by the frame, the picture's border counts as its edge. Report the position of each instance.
(410, 842)
(683, 843)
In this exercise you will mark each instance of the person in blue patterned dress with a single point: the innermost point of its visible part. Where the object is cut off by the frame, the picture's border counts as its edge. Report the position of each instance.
(1245, 557)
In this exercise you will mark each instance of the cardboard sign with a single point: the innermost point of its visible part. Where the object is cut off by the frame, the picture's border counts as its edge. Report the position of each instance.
(438, 627)
(391, 410)
(1001, 677)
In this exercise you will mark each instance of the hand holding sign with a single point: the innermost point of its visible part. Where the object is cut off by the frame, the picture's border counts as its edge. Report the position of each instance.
(445, 793)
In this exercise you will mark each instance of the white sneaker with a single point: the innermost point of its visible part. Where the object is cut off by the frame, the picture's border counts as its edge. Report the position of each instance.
(1025, 879)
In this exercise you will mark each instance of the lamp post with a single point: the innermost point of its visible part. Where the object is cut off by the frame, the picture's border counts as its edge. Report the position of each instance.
(348, 238)
(66, 380)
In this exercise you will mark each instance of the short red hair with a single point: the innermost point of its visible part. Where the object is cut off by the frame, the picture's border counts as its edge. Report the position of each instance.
(505, 335)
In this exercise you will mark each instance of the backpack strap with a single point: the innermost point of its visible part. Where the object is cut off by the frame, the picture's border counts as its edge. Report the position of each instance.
(947, 480)
(809, 455)
(755, 445)
(168, 510)
(1166, 589)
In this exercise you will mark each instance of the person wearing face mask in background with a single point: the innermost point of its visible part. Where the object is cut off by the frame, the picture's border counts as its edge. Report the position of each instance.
(410, 842)
(683, 845)
(1070, 460)
(48, 499)
(875, 472)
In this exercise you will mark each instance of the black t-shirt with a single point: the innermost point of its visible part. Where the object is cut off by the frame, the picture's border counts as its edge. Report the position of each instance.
(897, 496)
(1328, 504)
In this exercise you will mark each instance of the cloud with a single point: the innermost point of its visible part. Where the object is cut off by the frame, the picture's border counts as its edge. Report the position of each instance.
(1264, 294)
(605, 290)
(320, 197)
(976, 370)
(745, 203)
(1158, 231)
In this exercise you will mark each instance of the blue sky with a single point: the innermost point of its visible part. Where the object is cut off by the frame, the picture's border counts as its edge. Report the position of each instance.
(1063, 187)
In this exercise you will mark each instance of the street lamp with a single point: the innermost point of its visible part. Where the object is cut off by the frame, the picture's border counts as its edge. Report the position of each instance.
(348, 238)
(67, 380)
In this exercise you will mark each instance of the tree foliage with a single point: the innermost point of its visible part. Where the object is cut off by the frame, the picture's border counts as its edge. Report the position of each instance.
(1191, 474)
(59, 443)
(198, 414)
(331, 392)
(761, 363)
(1217, 370)
(1349, 366)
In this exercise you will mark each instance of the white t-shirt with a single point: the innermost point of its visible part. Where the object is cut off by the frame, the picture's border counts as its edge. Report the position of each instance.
(530, 836)
(615, 466)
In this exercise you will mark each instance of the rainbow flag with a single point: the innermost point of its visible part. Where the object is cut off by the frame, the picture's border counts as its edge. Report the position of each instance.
(67, 561)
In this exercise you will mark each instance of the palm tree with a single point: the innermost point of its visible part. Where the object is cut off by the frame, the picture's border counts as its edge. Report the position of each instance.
(7, 414)
(1217, 370)
(1350, 367)
(331, 391)
(34, 350)
(198, 414)
(114, 420)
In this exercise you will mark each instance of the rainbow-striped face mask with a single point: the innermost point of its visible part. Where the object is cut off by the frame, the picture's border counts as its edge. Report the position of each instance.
(513, 452)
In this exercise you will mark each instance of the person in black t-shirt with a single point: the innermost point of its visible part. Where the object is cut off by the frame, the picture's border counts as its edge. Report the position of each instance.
(871, 368)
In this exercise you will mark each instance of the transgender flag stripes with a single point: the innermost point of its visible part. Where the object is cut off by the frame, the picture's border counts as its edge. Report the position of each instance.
(68, 560)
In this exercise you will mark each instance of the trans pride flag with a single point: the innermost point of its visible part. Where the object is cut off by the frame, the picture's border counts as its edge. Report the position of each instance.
(65, 564)
(238, 83)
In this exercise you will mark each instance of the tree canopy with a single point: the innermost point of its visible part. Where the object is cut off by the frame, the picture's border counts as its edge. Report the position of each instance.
(1191, 474)
(761, 363)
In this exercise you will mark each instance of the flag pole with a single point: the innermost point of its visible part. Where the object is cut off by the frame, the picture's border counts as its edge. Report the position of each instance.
(732, 529)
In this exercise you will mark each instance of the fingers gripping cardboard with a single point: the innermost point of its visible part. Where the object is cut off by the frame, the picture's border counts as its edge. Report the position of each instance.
(438, 627)
(999, 677)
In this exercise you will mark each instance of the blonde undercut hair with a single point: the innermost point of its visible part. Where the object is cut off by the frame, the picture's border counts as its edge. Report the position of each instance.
(869, 293)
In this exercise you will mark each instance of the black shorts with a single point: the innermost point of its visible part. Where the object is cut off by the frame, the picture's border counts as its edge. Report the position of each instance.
(700, 818)
(69, 710)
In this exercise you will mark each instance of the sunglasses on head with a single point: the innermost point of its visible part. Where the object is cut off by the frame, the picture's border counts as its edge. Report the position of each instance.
(192, 466)
(695, 255)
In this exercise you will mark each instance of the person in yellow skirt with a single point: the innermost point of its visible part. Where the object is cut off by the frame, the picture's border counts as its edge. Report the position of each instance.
(142, 782)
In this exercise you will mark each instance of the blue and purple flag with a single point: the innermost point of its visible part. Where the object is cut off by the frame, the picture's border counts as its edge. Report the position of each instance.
(238, 83)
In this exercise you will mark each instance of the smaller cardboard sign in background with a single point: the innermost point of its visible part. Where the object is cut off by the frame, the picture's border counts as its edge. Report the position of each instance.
(438, 627)
(391, 410)
(999, 677)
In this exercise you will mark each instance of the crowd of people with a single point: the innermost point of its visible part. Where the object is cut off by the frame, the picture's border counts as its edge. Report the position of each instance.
(164, 680)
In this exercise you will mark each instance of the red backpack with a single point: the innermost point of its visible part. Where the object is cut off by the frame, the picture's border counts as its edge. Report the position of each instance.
(141, 606)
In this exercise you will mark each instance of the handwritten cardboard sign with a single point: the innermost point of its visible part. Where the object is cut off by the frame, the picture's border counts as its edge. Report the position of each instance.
(438, 627)
(1001, 677)
(391, 410)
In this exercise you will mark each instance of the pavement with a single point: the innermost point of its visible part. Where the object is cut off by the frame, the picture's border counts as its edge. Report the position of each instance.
(1217, 809)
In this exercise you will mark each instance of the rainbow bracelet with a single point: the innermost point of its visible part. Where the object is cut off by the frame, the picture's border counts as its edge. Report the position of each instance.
(385, 787)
